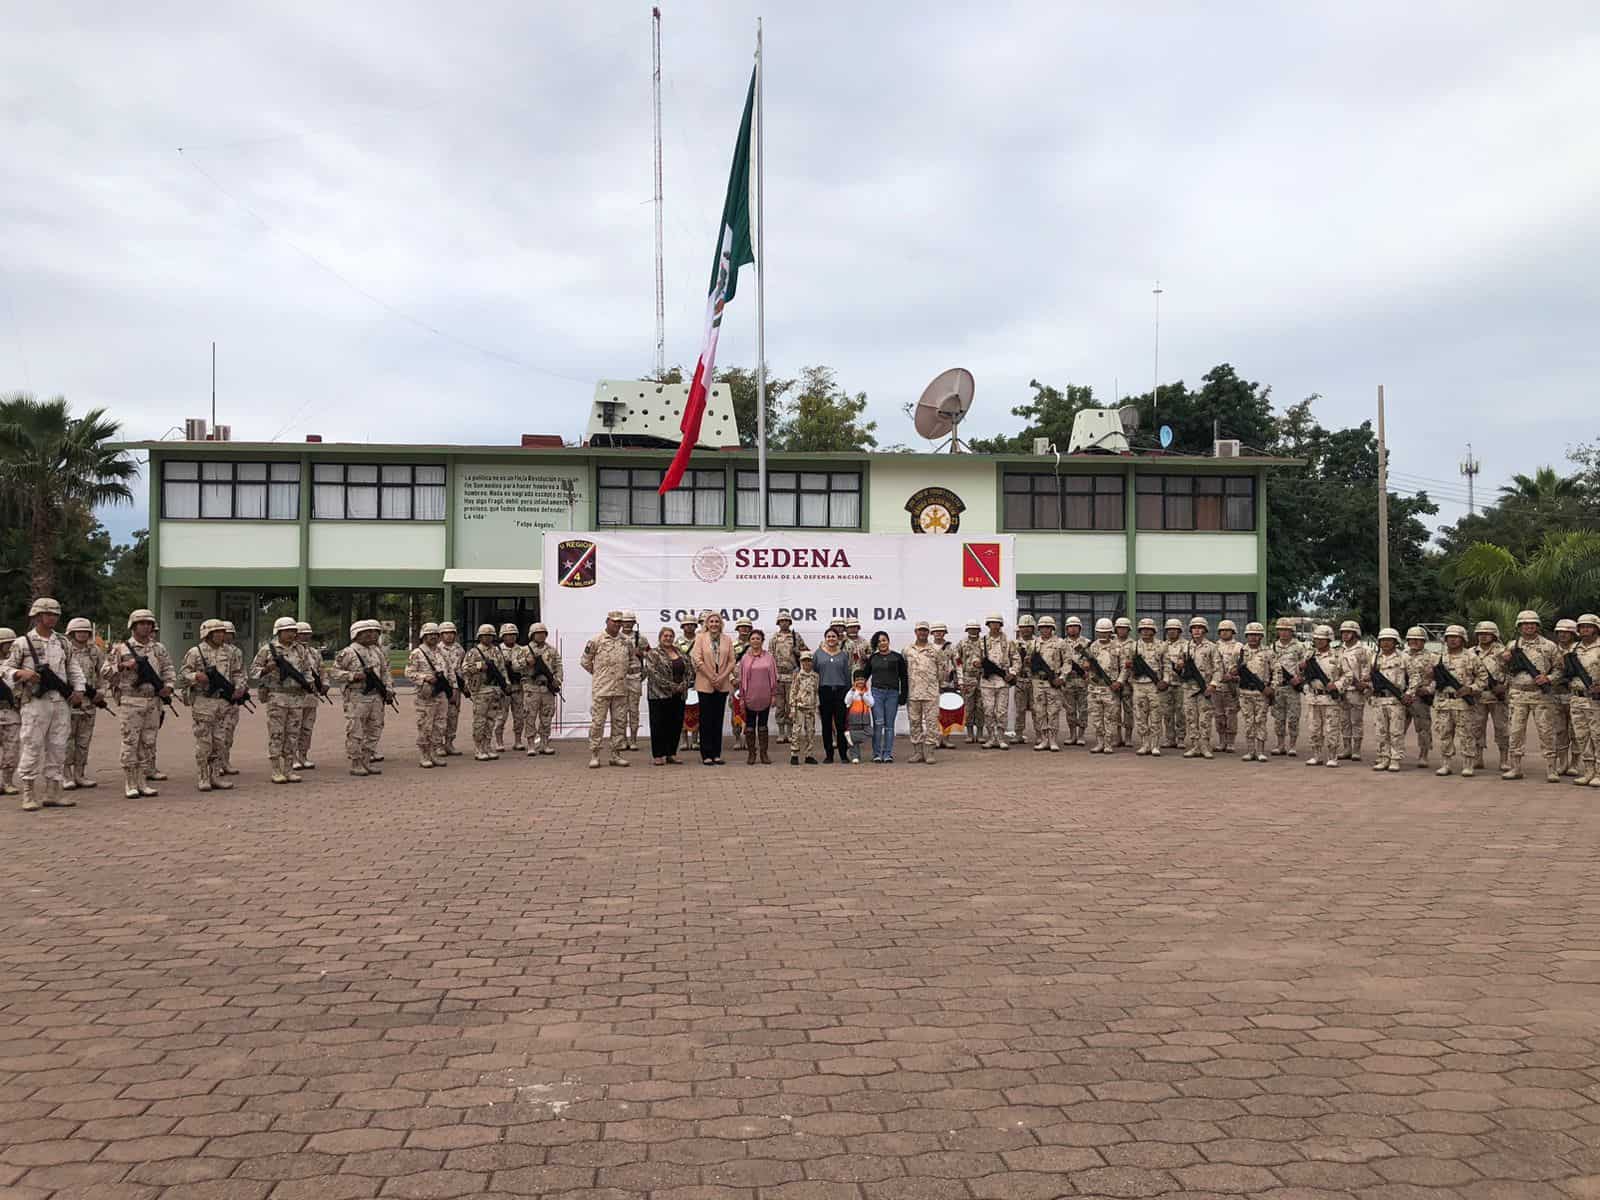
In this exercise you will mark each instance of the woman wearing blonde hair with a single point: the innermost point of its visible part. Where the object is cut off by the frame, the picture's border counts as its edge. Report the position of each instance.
(667, 677)
(714, 667)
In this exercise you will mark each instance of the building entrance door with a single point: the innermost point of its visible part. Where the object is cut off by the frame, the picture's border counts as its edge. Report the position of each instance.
(521, 611)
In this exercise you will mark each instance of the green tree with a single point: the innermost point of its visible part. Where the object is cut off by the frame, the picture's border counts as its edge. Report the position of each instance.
(1048, 414)
(1560, 578)
(1239, 408)
(126, 577)
(824, 418)
(741, 384)
(1544, 488)
(55, 470)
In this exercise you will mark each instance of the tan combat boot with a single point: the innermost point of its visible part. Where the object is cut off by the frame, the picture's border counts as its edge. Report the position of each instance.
(217, 781)
(426, 761)
(154, 774)
(144, 784)
(357, 767)
(594, 762)
(8, 783)
(203, 779)
(30, 798)
(279, 775)
(83, 778)
(53, 797)
(130, 784)
(371, 764)
(1513, 768)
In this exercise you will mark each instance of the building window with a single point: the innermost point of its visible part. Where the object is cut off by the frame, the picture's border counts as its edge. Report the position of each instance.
(628, 496)
(1088, 607)
(1210, 502)
(801, 499)
(230, 491)
(1238, 607)
(1057, 502)
(369, 492)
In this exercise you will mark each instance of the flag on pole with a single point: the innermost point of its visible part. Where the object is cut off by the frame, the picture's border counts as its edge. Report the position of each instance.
(733, 251)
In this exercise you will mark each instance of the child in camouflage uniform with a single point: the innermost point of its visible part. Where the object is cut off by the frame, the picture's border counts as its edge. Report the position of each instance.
(803, 712)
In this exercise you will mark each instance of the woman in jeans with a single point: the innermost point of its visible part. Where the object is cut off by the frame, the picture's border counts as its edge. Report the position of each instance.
(667, 676)
(834, 670)
(886, 675)
(758, 685)
(714, 669)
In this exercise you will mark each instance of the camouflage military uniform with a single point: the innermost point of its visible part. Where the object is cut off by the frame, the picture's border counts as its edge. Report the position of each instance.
(1075, 686)
(1147, 662)
(924, 675)
(1287, 655)
(454, 655)
(1022, 697)
(45, 721)
(1358, 675)
(1105, 701)
(634, 680)
(484, 669)
(91, 661)
(1561, 700)
(1389, 712)
(1258, 660)
(803, 713)
(363, 704)
(1492, 705)
(10, 722)
(1053, 652)
(947, 664)
(285, 700)
(1198, 723)
(1170, 702)
(207, 711)
(606, 658)
(996, 688)
(1586, 703)
(425, 666)
(515, 707)
(139, 704)
(317, 673)
(1324, 709)
(1123, 641)
(1225, 700)
(1419, 677)
(786, 646)
(541, 694)
(1527, 699)
(230, 718)
(969, 658)
(1453, 723)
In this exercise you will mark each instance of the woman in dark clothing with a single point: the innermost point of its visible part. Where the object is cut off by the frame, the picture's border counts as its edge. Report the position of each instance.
(667, 674)
(834, 670)
(886, 675)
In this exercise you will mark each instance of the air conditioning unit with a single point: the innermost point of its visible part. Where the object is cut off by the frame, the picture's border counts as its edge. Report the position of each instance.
(1227, 449)
(222, 433)
(1041, 445)
(194, 429)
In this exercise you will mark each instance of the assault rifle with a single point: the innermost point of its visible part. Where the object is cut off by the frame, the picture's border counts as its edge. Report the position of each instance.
(512, 675)
(1039, 667)
(49, 681)
(376, 684)
(991, 669)
(1099, 671)
(1191, 674)
(1444, 677)
(93, 696)
(1576, 669)
(441, 684)
(8, 698)
(1288, 678)
(145, 676)
(220, 687)
(1520, 662)
(542, 674)
(1143, 670)
(1312, 670)
(1382, 685)
(496, 679)
(287, 670)
(1249, 680)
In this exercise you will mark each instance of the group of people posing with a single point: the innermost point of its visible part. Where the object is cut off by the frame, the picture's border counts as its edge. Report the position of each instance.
(1151, 689)
(1121, 688)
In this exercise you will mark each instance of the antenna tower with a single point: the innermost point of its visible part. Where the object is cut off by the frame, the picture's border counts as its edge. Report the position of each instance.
(1470, 468)
(661, 295)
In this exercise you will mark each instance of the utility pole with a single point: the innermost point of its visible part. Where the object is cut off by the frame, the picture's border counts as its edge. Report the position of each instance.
(1383, 519)
(213, 388)
(1155, 385)
(661, 295)
(1470, 468)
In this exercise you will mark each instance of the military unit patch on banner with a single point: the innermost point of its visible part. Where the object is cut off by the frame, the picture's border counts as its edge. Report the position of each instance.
(575, 564)
(980, 564)
(935, 510)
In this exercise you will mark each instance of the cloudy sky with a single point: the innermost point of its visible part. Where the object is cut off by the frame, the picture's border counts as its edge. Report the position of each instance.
(432, 222)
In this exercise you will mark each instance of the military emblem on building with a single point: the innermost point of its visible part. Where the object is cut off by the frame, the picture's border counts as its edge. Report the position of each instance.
(980, 564)
(575, 563)
(935, 510)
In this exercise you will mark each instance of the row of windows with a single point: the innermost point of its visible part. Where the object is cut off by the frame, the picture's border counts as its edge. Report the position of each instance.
(1049, 501)
(245, 491)
(1089, 607)
(795, 499)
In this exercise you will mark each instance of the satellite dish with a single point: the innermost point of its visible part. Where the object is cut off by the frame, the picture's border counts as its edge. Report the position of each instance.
(1128, 414)
(1166, 436)
(943, 404)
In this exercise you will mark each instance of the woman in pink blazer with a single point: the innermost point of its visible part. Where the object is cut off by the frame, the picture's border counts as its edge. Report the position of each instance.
(714, 667)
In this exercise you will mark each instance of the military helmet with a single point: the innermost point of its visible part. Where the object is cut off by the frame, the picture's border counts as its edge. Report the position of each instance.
(357, 628)
(1415, 632)
(1486, 627)
(1390, 633)
(1174, 623)
(1122, 623)
(805, 654)
(747, 623)
(1146, 623)
(1025, 621)
(920, 627)
(447, 627)
(1322, 633)
(1226, 626)
(1458, 631)
(207, 628)
(1564, 625)
(1255, 627)
(1047, 622)
(784, 615)
(44, 604)
(283, 624)
(852, 623)
(939, 627)
(1071, 621)
(486, 630)
(690, 620)
(303, 627)
(508, 627)
(80, 624)
(227, 627)
(1103, 625)
(428, 627)
(7, 634)
(973, 625)
(994, 618)
(538, 627)
(629, 615)
(1589, 619)
(1285, 623)
(137, 615)
(1350, 627)
(1528, 616)
(1199, 623)
(614, 615)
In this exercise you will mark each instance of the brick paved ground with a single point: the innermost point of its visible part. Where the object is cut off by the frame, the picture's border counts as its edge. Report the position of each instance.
(1108, 977)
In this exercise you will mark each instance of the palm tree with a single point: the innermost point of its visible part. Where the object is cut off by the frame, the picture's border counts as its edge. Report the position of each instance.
(53, 464)
(1560, 578)
(1543, 487)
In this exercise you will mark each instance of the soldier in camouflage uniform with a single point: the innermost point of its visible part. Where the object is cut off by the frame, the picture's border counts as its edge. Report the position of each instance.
(969, 657)
(1452, 705)
(1530, 694)
(46, 714)
(1257, 660)
(515, 708)
(1122, 627)
(207, 709)
(284, 697)
(1225, 702)
(995, 680)
(1105, 687)
(1053, 653)
(1147, 661)
(1022, 698)
(91, 660)
(855, 645)
(1075, 683)
(634, 681)
(606, 658)
(10, 722)
(363, 703)
(1389, 710)
(1561, 710)
(1586, 700)
(318, 676)
(230, 719)
(454, 654)
(947, 667)
(785, 646)
(803, 698)
(428, 670)
(541, 693)
(924, 676)
(1171, 700)
(1491, 705)
(1358, 678)
(1419, 694)
(1324, 708)
(689, 627)
(139, 703)
(1287, 655)
(1202, 654)
(484, 669)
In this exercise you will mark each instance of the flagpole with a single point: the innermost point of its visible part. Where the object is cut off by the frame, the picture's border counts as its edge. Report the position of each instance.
(761, 300)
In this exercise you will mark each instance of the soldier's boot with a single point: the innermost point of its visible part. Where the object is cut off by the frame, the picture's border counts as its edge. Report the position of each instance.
(145, 789)
(54, 797)
(1190, 752)
(358, 766)
(82, 777)
(450, 750)
(1042, 743)
(1584, 776)
(1055, 744)
(1382, 763)
(155, 774)
(1332, 762)
(762, 734)
(290, 775)
(8, 783)
(1552, 771)
(1205, 751)
(202, 779)
(1513, 768)
(1594, 780)
(279, 775)
(927, 755)
(374, 757)
(1477, 760)
(70, 783)
(30, 795)
(616, 760)
(594, 762)
(426, 760)
(916, 753)
(1444, 764)
(482, 755)
(1466, 766)
(226, 767)
(130, 784)
(370, 762)
(217, 781)
(1313, 760)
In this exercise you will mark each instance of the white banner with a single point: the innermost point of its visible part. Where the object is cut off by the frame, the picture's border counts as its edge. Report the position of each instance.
(886, 581)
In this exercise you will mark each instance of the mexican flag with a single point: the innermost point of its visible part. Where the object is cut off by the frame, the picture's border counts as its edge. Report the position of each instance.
(733, 251)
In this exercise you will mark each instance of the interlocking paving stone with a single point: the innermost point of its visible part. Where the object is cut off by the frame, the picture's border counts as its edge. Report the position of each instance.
(1008, 976)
